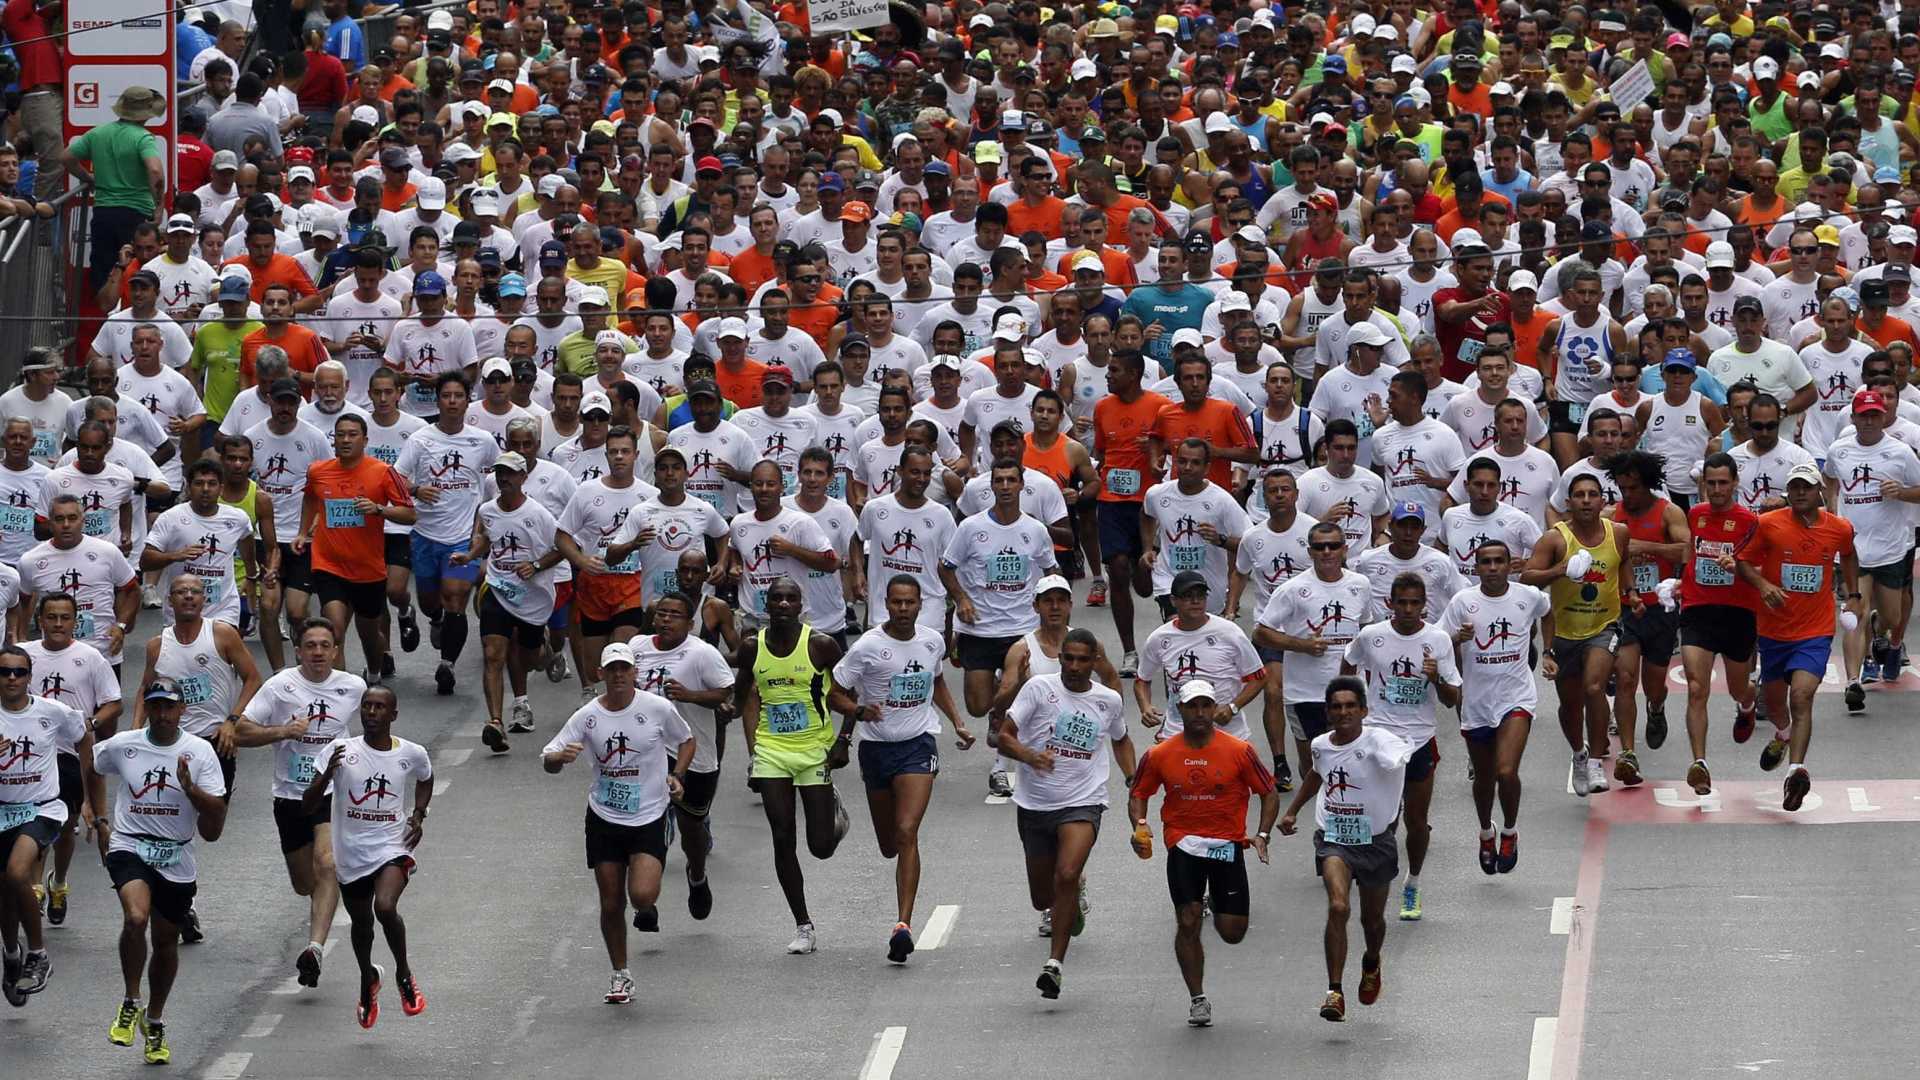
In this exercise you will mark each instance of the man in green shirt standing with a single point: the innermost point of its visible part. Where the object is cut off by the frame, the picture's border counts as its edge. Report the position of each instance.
(129, 175)
(215, 364)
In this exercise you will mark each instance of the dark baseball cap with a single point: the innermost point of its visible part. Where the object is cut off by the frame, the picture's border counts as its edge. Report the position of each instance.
(1186, 581)
(284, 388)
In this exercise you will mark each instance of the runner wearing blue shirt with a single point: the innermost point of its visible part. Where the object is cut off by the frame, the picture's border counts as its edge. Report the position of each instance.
(1172, 305)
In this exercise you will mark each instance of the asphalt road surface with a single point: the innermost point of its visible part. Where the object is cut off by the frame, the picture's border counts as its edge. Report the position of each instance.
(1644, 934)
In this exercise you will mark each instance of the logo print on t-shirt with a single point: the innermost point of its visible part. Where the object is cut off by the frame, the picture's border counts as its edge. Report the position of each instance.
(69, 580)
(617, 746)
(93, 500)
(211, 542)
(1185, 666)
(276, 466)
(53, 684)
(1837, 385)
(903, 540)
(1339, 782)
(377, 788)
(1281, 568)
(1331, 614)
(449, 461)
(19, 498)
(1860, 476)
(154, 779)
(1499, 630)
(152, 402)
(318, 712)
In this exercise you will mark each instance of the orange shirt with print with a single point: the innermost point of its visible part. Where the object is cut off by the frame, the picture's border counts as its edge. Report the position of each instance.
(740, 385)
(750, 270)
(817, 319)
(1024, 217)
(305, 351)
(393, 201)
(1805, 554)
(1762, 221)
(1045, 281)
(280, 270)
(1117, 263)
(1216, 421)
(1126, 204)
(1892, 328)
(1117, 430)
(346, 543)
(1208, 787)
(1526, 336)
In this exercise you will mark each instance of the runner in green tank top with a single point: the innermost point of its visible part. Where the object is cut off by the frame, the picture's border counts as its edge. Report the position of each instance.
(791, 741)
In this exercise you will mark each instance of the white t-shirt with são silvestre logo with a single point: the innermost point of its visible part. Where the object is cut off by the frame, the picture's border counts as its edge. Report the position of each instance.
(760, 568)
(521, 535)
(899, 676)
(1527, 480)
(902, 541)
(1177, 517)
(280, 468)
(695, 665)
(705, 452)
(1271, 559)
(1333, 611)
(822, 588)
(23, 497)
(986, 408)
(370, 792)
(1836, 375)
(327, 706)
(101, 496)
(997, 567)
(1495, 675)
(181, 527)
(1361, 783)
(76, 676)
(1216, 652)
(677, 529)
(1351, 502)
(628, 750)
(29, 773)
(152, 816)
(457, 465)
(1381, 567)
(423, 351)
(1078, 730)
(1462, 532)
(92, 571)
(1393, 664)
(1882, 527)
(1403, 452)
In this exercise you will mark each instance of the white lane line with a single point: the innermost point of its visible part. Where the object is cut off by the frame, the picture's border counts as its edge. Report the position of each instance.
(884, 1053)
(453, 759)
(1858, 802)
(1562, 920)
(227, 1067)
(1540, 1055)
(263, 1026)
(441, 784)
(939, 927)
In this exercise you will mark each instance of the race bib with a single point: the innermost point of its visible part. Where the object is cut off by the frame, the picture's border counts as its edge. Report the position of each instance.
(788, 718)
(97, 522)
(1405, 690)
(158, 854)
(1365, 424)
(343, 514)
(1123, 481)
(1006, 569)
(628, 565)
(1349, 827)
(45, 445)
(1470, 350)
(714, 499)
(1801, 577)
(511, 589)
(1222, 852)
(1077, 731)
(1709, 572)
(619, 796)
(1187, 557)
(215, 588)
(423, 394)
(789, 483)
(388, 454)
(195, 689)
(83, 625)
(15, 814)
(1646, 577)
(1576, 412)
(16, 519)
(910, 688)
(666, 581)
(301, 769)
(837, 487)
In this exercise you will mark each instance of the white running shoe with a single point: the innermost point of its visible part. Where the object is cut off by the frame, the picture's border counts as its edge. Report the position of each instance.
(1129, 665)
(1200, 1012)
(803, 940)
(1046, 923)
(150, 597)
(1578, 777)
(620, 989)
(1596, 775)
(522, 717)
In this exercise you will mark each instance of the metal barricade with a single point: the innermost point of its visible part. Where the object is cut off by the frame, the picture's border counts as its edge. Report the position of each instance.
(42, 275)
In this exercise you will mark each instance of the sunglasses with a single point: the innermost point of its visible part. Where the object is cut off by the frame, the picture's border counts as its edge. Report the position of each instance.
(809, 279)
(1325, 547)
(496, 379)
(1815, 250)
(1775, 426)
(15, 672)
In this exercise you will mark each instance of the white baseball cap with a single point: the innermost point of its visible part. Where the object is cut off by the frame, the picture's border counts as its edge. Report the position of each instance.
(1050, 583)
(945, 360)
(595, 295)
(1902, 234)
(1084, 68)
(1189, 336)
(731, 328)
(1367, 334)
(549, 185)
(1719, 255)
(1010, 328)
(432, 194)
(362, 114)
(514, 460)
(1404, 63)
(618, 652)
(1521, 279)
(1251, 234)
(596, 400)
(496, 365)
(1766, 67)
(300, 172)
(610, 336)
(1234, 300)
(485, 202)
(1217, 123)
(460, 152)
(1197, 690)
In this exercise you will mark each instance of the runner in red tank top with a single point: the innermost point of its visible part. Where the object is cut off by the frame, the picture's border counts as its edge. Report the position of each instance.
(1656, 543)
(1716, 610)
(1319, 241)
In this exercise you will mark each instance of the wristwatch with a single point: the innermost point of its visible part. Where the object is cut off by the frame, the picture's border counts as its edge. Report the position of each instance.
(1264, 836)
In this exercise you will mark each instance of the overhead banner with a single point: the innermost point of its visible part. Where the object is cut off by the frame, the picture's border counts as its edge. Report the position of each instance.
(838, 16)
(108, 52)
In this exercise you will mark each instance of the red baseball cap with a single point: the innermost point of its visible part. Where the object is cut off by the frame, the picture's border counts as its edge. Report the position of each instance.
(1869, 401)
(709, 164)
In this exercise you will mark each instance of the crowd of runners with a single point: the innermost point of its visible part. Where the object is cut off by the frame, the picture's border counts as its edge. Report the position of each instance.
(1361, 367)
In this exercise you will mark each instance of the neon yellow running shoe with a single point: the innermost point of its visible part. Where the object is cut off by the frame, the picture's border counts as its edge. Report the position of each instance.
(158, 1053)
(130, 1016)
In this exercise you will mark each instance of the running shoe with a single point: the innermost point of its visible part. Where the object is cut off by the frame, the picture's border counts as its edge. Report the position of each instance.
(1743, 722)
(1509, 851)
(1282, 775)
(409, 631)
(998, 785)
(804, 940)
(386, 665)
(494, 737)
(620, 988)
(157, 1051)
(1046, 923)
(412, 1001)
(443, 678)
(699, 896)
(1129, 664)
(130, 1017)
(1856, 698)
(1097, 593)
(1795, 790)
(1370, 986)
(647, 919)
(1409, 904)
(1050, 979)
(1200, 1012)
(1656, 732)
(1334, 1008)
(1699, 779)
(1578, 777)
(150, 597)
(557, 670)
(1774, 754)
(308, 965)
(56, 901)
(190, 932)
(1596, 775)
(1626, 768)
(433, 631)
(15, 960)
(33, 973)
(588, 692)
(900, 945)
(1870, 667)
(367, 1008)
(841, 823)
(1081, 910)
(1489, 856)
(522, 721)
(371, 675)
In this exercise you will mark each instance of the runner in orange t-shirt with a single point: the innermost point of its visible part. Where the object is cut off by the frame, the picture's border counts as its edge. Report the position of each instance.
(1197, 416)
(1121, 422)
(1208, 776)
(305, 349)
(343, 520)
(1789, 561)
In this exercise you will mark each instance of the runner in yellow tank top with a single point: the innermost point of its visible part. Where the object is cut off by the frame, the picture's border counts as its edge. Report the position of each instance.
(792, 742)
(1584, 621)
(239, 491)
